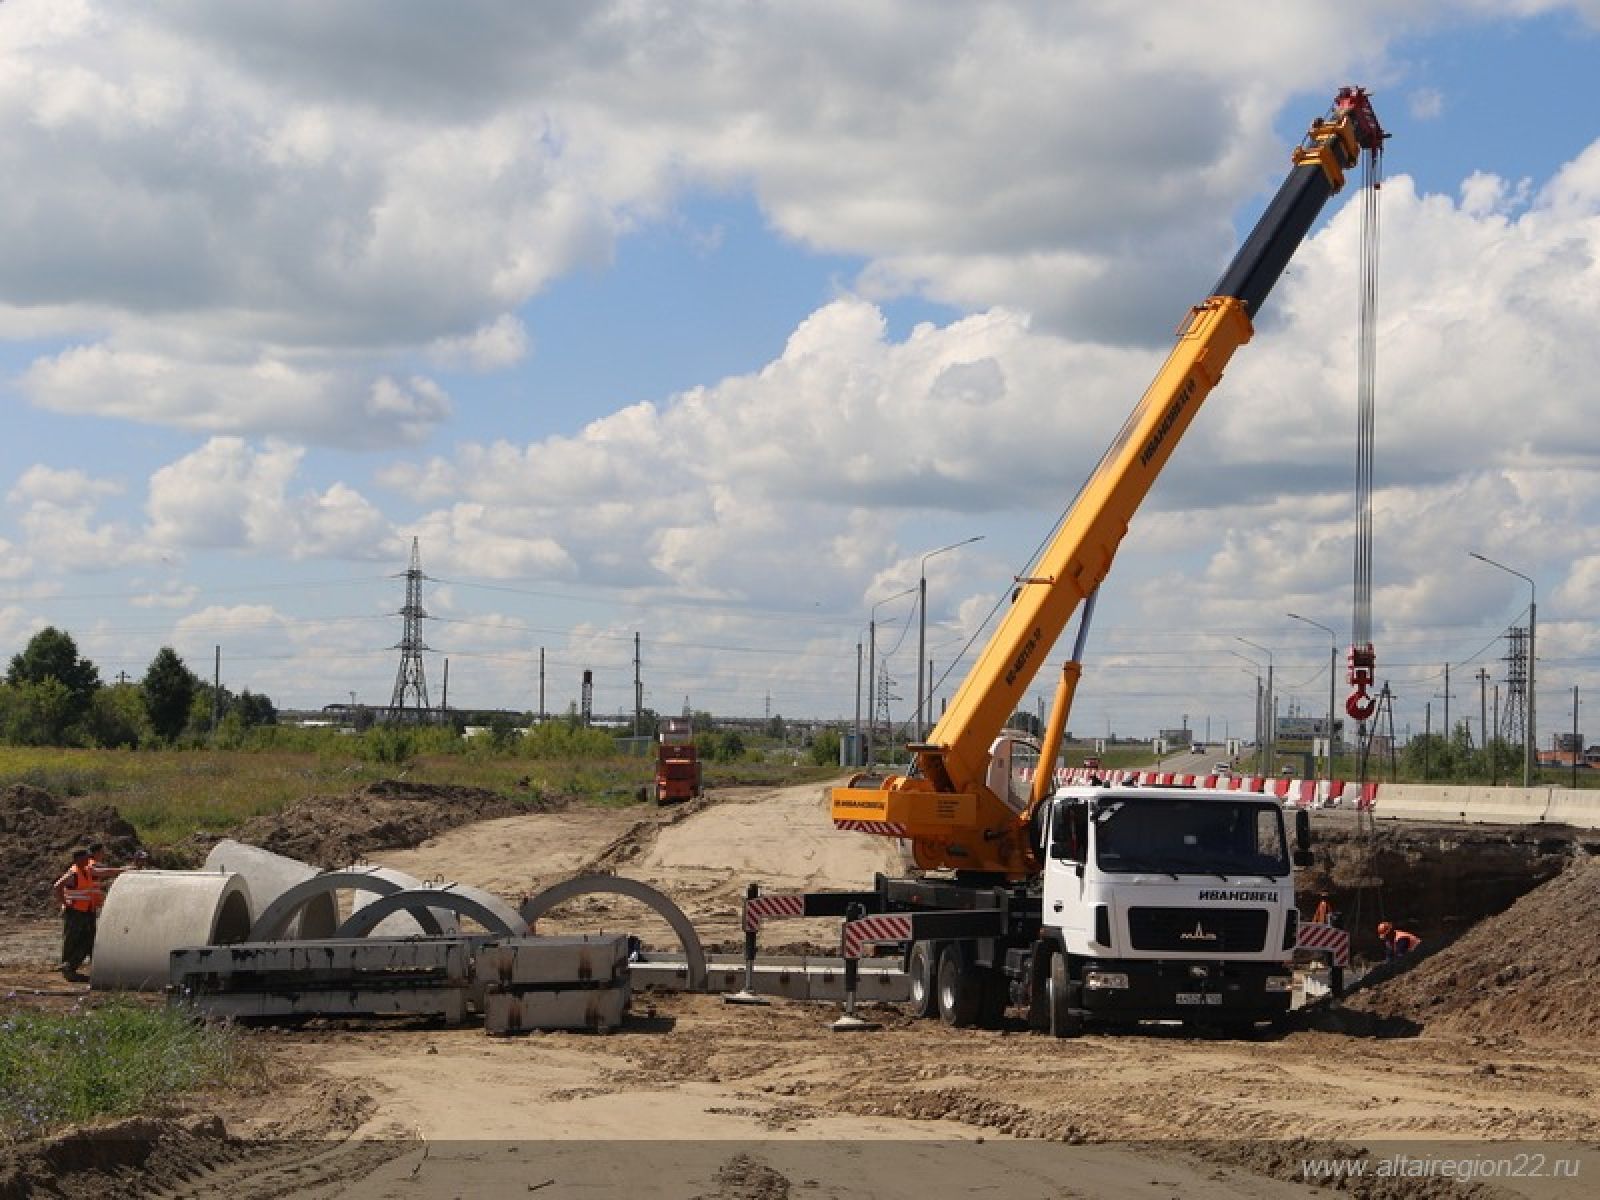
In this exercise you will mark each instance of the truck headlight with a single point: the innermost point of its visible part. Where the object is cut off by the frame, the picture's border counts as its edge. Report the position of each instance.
(1105, 979)
(1280, 983)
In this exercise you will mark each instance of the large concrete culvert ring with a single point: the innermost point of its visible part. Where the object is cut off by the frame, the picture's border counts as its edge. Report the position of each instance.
(694, 953)
(488, 910)
(280, 914)
(270, 876)
(149, 914)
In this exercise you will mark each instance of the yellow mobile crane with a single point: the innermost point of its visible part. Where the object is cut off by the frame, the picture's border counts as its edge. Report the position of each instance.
(1119, 903)
(956, 806)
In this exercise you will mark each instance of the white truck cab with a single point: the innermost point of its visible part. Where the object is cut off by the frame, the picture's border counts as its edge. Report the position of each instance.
(1171, 903)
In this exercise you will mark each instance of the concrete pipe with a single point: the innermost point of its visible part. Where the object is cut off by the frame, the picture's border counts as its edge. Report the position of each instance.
(270, 876)
(149, 914)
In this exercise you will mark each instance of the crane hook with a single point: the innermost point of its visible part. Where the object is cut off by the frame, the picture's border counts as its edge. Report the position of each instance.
(1363, 664)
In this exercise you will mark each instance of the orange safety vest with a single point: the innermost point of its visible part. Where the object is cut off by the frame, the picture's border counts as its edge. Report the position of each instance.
(1405, 942)
(81, 892)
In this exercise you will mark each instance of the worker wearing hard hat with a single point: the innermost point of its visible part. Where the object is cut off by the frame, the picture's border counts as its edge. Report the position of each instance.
(1397, 943)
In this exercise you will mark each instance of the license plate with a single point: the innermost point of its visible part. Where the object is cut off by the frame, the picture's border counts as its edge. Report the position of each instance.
(1199, 997)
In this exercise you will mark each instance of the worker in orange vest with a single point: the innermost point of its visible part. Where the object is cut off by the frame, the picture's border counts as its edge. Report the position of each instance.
(1324, 913)
(1397, 943)
(103, 875)
(79, 896)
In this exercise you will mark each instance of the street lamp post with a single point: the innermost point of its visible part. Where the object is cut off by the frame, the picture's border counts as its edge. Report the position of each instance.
(1530, 735)
(922, 623)
(1257, 673)
(1270, 708)
(1333, 671)
(872, 669)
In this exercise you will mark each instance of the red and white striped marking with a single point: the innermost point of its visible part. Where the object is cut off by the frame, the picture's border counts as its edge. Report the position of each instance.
(761, 908)
(886, 928)
(882, 828)
(1306, 793)
(1314, 936)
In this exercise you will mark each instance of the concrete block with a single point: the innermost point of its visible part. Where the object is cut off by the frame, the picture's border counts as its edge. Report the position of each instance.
(518, 1010)
(547, 961)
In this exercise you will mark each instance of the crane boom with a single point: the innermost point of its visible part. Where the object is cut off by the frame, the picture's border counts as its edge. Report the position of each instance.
(957, 810)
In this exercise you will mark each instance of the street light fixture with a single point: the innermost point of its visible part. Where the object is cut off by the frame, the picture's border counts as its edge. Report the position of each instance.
(872, 668)
(1333, 671)
(1269, 710)
(922, 623)
(1530, 735)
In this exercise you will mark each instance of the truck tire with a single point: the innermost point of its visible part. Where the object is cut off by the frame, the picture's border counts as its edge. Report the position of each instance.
(924, 990)
(1064, 1023)
(960, 988)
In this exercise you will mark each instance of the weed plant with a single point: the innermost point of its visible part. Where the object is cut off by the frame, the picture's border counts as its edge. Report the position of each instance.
(115, 1059)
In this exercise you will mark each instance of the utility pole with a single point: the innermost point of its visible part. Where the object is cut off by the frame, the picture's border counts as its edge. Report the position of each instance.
(216, 691)
(1447, 730)
(638, 687)
(1483, 705)
(1427, 738)
(444, 699)
(1494, 755)
(1577, 740)
(855, 750)
(541, 685)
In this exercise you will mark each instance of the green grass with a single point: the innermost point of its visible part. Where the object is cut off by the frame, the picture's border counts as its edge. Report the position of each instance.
(117, 1059)
(168, 795)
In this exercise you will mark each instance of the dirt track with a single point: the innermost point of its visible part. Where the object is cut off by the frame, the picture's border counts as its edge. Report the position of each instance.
(697, 1098)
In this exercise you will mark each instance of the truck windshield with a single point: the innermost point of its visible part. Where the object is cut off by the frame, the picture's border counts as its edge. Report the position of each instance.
(1183, 836)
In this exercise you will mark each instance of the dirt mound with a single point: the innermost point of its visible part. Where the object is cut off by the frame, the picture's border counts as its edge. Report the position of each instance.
(334, 831)
(37, 834)
(1530, 971)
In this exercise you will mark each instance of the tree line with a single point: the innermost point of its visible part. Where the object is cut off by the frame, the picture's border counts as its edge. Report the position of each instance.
(53, 696)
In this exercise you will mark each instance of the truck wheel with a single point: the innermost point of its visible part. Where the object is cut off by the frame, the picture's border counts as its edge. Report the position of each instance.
(960, 988)
(1064, 1023)
(924, 994)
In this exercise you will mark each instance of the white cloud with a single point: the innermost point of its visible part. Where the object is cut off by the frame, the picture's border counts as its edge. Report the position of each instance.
(228, 495)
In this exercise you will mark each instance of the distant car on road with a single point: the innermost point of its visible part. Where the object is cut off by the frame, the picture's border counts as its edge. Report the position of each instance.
(1221, 768)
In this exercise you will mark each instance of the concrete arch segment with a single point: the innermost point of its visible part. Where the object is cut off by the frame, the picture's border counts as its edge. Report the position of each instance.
(694, 953)
(278, 916)
(487, 909)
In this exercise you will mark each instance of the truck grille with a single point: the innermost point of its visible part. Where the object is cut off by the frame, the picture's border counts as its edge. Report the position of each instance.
(1199, 930)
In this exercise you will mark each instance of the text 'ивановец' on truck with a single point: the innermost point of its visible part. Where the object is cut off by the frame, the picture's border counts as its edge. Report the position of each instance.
(1112, 903)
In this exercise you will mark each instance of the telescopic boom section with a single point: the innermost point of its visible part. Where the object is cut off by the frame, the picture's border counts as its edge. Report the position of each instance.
(956, 814)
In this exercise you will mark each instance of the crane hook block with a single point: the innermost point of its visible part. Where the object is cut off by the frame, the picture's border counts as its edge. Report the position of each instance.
(1363, 665)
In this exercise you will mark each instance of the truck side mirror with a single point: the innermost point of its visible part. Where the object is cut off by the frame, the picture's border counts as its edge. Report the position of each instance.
(1302, 856)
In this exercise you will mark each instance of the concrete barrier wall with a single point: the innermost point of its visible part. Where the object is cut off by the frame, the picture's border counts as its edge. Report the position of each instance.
(1459, 804)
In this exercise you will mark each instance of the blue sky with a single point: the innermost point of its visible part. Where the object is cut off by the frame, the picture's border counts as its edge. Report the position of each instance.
(711, 330)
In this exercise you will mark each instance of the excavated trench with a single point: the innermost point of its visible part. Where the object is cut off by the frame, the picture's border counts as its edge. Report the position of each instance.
(1433, 880)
